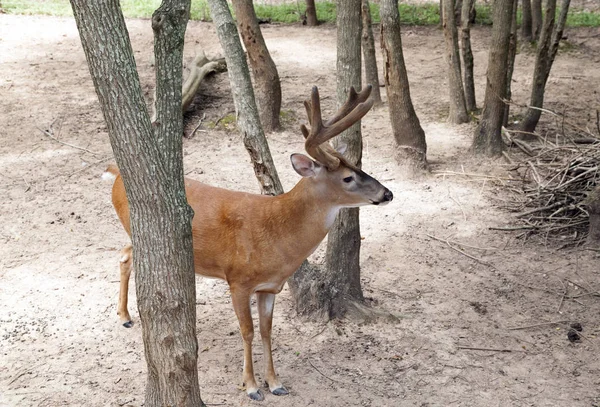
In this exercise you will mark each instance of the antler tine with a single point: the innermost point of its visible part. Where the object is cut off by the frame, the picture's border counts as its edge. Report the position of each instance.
(354, 99)
(352, 111)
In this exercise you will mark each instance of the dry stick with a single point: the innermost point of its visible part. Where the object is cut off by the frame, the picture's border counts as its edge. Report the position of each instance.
(511, 228)
(49, 134)
(197, 127)
(461, 252)
(321, 373)
(467, 174)
(489, 349)
(459, 205)
(516, 328)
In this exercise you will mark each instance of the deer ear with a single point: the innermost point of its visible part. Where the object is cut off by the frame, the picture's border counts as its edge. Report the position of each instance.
(303, 165)
(341, 148)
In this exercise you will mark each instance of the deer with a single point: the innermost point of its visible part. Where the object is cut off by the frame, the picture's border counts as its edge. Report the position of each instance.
(256, 242)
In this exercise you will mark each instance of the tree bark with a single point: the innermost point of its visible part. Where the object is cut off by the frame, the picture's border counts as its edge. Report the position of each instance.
(468, 9)
(409, 136)
(546, 53)
(512, 53)
(150, 159)
(243, 96)
(458, 110)
(370, 59)
(487, 138)
(536, 19)
(264, 71)
(311, 14)
(526, 24)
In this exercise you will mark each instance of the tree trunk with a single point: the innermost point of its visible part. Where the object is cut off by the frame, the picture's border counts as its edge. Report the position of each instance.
(311, 14)
(335, 291)
(512, 53)
(536, 19)
(370, 59)
(409, 136)
(468, 9)
(487, 139)
(243, 96)
(264, 71)
(458, 110)
(526, 25)
(592, 202)
(546, 53)
(150, 159)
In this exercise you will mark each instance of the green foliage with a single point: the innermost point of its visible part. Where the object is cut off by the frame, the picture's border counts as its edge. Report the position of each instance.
(410, 14)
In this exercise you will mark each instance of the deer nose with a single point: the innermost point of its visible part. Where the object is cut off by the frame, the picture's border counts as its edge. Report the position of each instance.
(387, 195)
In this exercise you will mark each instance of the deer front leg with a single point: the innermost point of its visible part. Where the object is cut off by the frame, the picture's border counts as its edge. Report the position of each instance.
(125, 265)
(241, 305)
(265, 302)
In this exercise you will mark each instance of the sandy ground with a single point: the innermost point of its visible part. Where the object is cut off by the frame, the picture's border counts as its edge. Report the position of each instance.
(60, 339)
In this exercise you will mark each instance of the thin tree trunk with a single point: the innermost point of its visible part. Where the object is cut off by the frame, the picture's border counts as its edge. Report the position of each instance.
(408, 133)
(342, 259)
(335, 291)
(526, 24)
(370, 59)
(512, 53)
(546, 53)
(458, 110)
(264, 71)
(243, 96)
(468, 8)
(487, 138)
(150, 159)
(536, 19)
(311, 13)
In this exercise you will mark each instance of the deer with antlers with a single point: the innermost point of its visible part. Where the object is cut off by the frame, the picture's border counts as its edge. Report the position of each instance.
(256, 242)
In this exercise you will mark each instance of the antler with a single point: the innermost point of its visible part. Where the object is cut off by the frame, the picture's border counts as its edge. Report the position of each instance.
(316, 144)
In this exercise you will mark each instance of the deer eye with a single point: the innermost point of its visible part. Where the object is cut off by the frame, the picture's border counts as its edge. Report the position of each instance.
(348, 179)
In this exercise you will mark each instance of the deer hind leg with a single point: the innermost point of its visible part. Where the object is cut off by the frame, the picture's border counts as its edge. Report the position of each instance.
(125, 266)
(241, 305)
(266, 301)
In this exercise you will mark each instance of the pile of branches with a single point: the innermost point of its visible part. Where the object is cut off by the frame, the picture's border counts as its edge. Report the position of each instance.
(557, 177)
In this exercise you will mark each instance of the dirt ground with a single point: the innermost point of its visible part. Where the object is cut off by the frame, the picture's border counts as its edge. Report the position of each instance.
(60, 339)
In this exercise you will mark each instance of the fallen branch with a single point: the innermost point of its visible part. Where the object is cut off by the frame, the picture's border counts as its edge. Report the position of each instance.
(50, 134)
(489, 349)
(516, 328)
(201, 66)
(461, 251)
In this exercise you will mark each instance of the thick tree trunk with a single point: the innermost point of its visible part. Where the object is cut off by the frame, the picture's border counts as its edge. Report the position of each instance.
(512, 53)
(526, 26)
(487, 139)
(536, 19)
(468, 9)
(409, 136)
(370, 59)
(311, 14)
(336, 292)
(264, 71)
(150, 159)
(458, 110)
(243, 97)
(592, 202)
(546, 53)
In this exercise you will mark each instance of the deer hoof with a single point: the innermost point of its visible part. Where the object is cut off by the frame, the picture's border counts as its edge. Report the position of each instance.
(256, 395)
(280, 391)
(128, 324)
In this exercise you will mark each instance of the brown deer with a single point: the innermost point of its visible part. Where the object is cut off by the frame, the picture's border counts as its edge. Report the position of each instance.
(256, 242)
